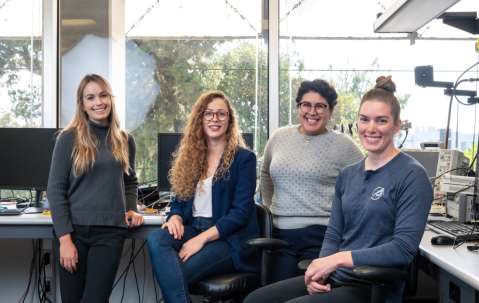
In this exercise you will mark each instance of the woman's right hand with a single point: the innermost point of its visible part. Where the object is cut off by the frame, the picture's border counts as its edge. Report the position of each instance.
(68, 253)
(175, 227)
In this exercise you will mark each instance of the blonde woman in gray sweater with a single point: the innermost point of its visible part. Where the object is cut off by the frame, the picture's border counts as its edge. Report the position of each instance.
(298, 174)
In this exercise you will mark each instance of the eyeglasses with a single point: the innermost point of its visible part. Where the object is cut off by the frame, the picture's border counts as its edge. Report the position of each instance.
(91, 97)
(305, 107)
(220, 115)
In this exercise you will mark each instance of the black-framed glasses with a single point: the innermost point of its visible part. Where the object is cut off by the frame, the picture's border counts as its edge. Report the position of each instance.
(306, 106)
(221, 115)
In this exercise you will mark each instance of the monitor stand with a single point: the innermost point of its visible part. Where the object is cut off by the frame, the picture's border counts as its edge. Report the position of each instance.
(36, 209)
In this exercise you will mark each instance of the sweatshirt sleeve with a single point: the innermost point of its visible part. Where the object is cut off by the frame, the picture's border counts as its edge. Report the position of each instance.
(242, 206)
(58, 184)
(413, 204)
(334, 232)
(131, 181)
(351, 152)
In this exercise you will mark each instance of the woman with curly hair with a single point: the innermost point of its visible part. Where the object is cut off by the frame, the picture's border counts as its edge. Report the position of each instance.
(213, 213)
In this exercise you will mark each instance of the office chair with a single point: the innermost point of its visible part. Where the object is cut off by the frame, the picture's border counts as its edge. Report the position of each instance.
(234, 287)
(379, 277)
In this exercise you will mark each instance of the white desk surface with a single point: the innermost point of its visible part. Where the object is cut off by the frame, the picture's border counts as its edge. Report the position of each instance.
(459, 262)
(40, 219)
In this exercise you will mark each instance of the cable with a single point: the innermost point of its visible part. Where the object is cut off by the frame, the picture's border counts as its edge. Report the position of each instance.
(30, 272)
(404, 140)
(456, 83)
(144, 275)
(134, 270)
(128, 265)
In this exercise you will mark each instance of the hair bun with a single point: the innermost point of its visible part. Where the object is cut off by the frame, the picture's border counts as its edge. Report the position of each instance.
(385, 82)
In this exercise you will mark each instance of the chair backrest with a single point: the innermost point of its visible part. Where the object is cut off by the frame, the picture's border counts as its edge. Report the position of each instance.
(265, 221)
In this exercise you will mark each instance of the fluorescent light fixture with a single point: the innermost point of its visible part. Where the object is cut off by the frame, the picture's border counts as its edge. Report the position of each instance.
(78, 22)
(407, 16)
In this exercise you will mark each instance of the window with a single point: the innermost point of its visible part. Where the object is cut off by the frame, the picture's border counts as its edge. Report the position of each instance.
(21, 64)
(171, 61)
(317, 43)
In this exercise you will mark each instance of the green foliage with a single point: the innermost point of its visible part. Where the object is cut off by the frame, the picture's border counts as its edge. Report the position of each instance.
(16, 61)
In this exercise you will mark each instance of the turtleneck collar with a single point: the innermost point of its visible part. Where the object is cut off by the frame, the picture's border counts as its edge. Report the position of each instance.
(98, 126)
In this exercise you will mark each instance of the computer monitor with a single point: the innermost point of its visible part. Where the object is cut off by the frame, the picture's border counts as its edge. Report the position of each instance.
(427, 158)
(25, 157)
(167, 145)
(440, 161)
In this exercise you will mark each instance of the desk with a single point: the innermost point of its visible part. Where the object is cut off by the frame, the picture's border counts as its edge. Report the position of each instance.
(39, 226)
(458, 279)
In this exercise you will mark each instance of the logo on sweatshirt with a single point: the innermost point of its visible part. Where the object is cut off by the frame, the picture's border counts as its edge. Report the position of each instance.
(378, 192)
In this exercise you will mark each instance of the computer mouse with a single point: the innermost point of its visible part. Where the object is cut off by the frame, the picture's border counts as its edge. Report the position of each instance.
(442, 240)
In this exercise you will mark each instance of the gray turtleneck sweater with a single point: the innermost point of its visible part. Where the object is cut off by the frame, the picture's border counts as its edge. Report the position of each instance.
(101, 196)
(299, 172)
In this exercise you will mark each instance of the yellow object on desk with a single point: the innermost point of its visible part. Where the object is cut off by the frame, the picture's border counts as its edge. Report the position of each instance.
(47, 212)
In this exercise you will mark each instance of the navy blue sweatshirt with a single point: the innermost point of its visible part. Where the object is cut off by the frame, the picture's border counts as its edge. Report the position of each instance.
(379, 216)
(101, 196)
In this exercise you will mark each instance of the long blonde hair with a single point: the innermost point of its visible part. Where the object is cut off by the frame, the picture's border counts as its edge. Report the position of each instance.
(85, 146)
(190, 161)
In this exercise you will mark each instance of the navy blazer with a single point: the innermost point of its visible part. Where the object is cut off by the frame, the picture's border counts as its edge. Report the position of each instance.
(234, 212)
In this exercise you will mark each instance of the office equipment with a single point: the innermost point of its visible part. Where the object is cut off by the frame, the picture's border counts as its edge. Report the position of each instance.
(439, 161)
(25, 157)
(454, 184)
(462, 208)
(460, 231)
(431, 145)
(407, 16)
(167, 145)
(4, 211)
(442, 240)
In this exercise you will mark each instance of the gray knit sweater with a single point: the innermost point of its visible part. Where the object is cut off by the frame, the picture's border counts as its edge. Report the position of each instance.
(299, 172)
(98, 197)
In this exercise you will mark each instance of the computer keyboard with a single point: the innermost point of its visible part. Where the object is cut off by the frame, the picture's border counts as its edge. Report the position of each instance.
(460, 231)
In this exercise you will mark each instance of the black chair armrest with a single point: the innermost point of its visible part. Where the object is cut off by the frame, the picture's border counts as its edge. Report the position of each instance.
(376, 274)
(267, 243)
(303, 264)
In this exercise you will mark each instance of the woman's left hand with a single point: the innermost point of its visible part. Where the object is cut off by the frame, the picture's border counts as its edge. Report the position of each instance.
(321, 268)
(191, 247)
(133, 219)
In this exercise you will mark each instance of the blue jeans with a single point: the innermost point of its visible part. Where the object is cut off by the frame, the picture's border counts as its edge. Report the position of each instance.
(172, 274)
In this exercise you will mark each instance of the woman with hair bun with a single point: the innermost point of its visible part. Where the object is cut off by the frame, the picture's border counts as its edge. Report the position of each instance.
(378, 215)
(213, 215)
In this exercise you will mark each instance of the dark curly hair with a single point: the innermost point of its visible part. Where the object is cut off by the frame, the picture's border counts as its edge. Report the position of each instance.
(321, 87)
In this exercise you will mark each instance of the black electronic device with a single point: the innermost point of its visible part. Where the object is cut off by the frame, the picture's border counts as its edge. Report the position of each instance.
(424, 76)
(25, 157)
(428, 159)
(442, 240)
(456, 230)
(167, 145)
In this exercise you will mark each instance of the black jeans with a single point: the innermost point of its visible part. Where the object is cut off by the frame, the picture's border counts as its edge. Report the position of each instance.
(305, 243)
(294, 291)
(99, 253)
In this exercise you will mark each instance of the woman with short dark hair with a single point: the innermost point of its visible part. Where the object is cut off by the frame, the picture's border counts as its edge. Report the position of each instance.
(299, 170)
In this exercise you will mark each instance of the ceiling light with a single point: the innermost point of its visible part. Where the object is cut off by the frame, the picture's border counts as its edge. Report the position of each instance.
(407, 16)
